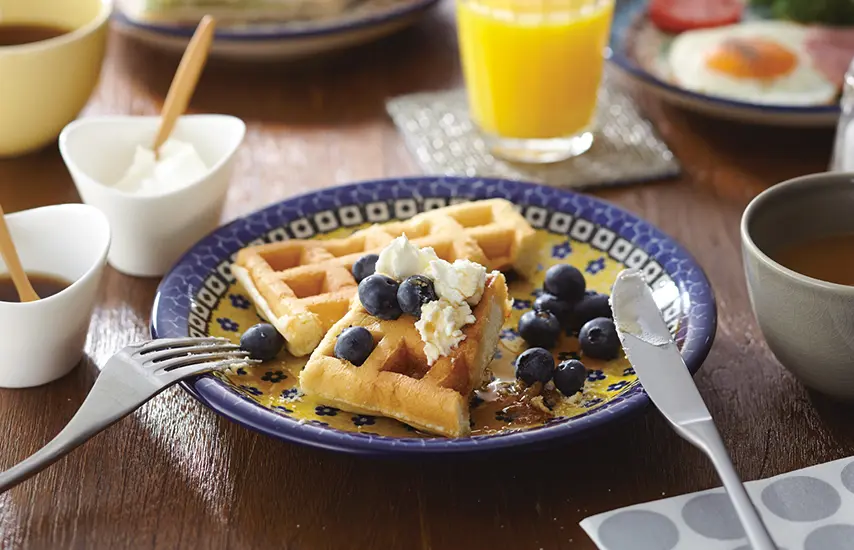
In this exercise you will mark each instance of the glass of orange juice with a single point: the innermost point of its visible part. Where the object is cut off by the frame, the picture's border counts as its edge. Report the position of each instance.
(532, 71)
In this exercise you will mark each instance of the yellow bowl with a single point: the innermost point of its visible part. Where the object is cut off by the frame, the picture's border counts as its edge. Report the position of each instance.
(44, 85)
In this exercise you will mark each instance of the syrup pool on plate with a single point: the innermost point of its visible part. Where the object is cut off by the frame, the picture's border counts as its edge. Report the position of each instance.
(532, 70)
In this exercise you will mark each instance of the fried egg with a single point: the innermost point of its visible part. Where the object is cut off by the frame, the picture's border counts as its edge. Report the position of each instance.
(762, 62)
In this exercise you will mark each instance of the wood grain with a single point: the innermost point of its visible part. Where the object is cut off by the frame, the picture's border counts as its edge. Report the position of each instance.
(175, 475)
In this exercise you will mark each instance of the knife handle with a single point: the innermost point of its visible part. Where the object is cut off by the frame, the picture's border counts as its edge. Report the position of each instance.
(704, 435)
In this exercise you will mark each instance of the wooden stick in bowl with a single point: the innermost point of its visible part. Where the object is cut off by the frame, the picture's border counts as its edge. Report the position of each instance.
(185, 80)
(13, 263)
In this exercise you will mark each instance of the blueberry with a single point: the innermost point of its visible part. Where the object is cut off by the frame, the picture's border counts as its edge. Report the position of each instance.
(539, 328)
(378, 294)
(535, 365)
(354, 344)
(554, 305)
(262, 341)
(570, 376)
(365, 266)
(414, 292)
(598, 339)
(565, 282)
(591, 306)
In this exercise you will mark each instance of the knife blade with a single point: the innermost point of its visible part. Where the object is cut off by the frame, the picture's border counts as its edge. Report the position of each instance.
(653, 352)
(668, 383)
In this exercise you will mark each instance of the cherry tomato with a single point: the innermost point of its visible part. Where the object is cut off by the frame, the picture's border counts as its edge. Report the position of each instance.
(682, 15)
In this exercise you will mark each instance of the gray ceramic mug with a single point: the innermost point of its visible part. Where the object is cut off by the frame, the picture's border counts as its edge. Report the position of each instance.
(808, 323)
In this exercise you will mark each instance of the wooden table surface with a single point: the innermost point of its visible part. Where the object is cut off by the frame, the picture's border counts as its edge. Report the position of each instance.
(175, 475)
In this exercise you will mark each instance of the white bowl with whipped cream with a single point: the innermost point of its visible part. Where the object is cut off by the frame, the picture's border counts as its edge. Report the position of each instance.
(158, 207)
(43, 340)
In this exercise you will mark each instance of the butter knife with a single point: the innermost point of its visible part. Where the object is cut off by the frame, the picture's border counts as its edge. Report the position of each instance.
(665, 378)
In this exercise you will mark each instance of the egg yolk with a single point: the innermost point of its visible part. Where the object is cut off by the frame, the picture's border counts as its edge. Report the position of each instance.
(751, 58)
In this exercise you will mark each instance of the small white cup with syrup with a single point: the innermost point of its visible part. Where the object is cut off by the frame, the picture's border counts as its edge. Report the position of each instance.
(43, 340)
(151, 231)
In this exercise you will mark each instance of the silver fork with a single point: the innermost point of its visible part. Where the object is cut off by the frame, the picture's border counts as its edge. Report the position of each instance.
(129, 379)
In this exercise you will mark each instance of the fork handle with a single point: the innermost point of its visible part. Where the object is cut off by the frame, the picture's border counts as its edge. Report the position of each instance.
(99, 410)
(703, 434)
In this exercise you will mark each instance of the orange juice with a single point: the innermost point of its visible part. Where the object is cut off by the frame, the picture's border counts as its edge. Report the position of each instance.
(532, 67)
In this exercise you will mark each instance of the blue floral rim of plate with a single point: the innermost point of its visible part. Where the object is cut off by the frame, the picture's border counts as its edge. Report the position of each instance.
(196, 283)
(281, 32)
(625, 11)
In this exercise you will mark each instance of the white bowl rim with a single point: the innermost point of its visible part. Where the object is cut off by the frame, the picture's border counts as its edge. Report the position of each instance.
(79, 32)
(90, 211)
(118, 193)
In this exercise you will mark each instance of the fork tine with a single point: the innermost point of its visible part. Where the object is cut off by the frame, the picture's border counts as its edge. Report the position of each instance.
(174, 353)
(121, 388)
(197, 358)
(190, 370)
(165, 343)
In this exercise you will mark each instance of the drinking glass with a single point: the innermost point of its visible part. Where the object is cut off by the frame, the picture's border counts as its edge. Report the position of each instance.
(532, 71)
(842, 159)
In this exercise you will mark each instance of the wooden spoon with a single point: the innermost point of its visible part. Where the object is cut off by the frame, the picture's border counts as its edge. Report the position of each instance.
(13, 263)
(185, 80)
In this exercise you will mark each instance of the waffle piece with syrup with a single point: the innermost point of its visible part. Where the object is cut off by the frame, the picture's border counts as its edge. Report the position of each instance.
(303, 287)
(396, 380)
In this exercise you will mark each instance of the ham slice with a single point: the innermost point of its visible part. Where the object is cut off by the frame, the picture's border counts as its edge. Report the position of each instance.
(831, 49)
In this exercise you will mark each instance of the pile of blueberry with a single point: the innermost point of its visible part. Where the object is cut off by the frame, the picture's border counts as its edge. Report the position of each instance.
(538, 365)
(387, 299)
(565, 304)
(384, 298)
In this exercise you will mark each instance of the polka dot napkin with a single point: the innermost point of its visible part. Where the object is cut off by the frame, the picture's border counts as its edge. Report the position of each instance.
(626, 147)
(810, 509)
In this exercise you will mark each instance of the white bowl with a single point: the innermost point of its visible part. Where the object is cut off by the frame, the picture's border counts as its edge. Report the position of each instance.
(43, 340)
(150, 233)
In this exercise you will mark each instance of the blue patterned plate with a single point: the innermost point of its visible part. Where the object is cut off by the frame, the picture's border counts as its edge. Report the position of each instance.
(363, 22)
(637, 49)
(200, 297)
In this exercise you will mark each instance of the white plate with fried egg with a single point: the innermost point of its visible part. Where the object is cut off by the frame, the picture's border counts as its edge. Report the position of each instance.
(752, 70)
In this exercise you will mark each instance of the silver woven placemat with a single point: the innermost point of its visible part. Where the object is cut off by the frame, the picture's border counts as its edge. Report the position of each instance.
(626, 148)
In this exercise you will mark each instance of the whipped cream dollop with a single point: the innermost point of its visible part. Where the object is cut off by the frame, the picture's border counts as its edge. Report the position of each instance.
(441, 326)
(179, 165)
(459, 285)
(461, 281)
(402, 259)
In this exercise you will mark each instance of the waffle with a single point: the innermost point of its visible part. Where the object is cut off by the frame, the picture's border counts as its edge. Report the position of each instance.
(396, 381)
(303, 287)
